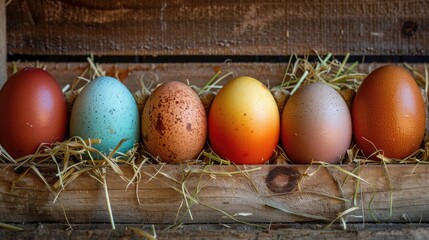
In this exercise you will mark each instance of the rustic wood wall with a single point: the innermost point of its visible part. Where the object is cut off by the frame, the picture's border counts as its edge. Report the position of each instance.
(243, 27)
(3, 55)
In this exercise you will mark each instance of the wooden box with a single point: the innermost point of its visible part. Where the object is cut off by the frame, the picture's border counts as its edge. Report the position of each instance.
(190, 41)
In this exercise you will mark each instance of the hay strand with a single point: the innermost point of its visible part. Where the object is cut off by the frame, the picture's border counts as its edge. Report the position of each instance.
(299, 214)
(141, 233)
(10, 227)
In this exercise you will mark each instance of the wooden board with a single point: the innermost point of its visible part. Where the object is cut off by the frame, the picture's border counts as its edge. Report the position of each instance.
(3, 55)
(218, 231)
(197, 74)
(220, 194)
(245, 27)
(194, 73)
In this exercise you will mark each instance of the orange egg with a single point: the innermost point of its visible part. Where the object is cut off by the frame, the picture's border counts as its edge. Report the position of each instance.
(388, 113)
(244, 122)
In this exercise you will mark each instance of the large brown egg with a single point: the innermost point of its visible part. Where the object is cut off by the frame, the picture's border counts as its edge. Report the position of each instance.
(32, 111)
(174, 124)
(389, 113)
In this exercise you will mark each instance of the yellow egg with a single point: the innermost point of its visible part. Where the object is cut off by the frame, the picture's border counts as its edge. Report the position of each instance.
(174, 124)
(244, 122)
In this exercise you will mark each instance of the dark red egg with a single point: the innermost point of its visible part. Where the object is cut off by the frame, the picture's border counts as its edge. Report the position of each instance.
(32, 111)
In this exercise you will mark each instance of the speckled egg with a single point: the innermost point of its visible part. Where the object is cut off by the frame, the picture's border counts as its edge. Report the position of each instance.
(106, 110)
(174, 124)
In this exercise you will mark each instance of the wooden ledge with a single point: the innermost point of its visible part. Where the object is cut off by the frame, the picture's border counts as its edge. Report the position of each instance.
(223, 194)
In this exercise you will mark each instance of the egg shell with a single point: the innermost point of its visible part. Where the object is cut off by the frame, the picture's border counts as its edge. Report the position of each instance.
(244, 122)
(389, 113)
(174, 124)
(32, 111)
(105, 109)
(316, 125)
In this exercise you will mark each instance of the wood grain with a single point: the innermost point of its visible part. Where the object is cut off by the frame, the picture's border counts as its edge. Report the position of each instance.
(220, 191)
(194, 73)
(197, 74)
(3, 55)
(245, 27)
(217, 231)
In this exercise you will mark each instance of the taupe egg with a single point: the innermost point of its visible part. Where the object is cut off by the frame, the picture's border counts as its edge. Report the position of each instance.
(316, 125)
(174, 124)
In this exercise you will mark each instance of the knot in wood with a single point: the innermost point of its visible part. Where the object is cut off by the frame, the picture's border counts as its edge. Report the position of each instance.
(282, 179)
(409, 28)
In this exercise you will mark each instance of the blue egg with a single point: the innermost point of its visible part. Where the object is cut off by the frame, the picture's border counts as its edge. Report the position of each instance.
(105, 109)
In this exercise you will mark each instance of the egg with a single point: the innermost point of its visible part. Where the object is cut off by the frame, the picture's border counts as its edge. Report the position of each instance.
(174, 124)
(33, 111)
(316, 125)
(389, 113)
(244, 122)
(105, 109)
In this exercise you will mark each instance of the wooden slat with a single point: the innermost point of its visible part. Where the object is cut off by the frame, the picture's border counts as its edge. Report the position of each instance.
(3, 55)
(194, 73)
(217, 231)
(220, 192)
(244, 27)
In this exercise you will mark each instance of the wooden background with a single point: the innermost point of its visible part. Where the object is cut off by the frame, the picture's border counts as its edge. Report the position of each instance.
(220, 27)
(3, 55)
(141, 31)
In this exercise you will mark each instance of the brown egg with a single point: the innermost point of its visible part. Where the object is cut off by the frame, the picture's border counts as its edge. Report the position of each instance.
(32, 111)
(388, 113)
(174, 124)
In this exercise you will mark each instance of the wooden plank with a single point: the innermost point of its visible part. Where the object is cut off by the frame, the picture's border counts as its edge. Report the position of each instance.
(3, 55)
(245, 27)
(222, 191)
(194, 73)
(216, 231)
